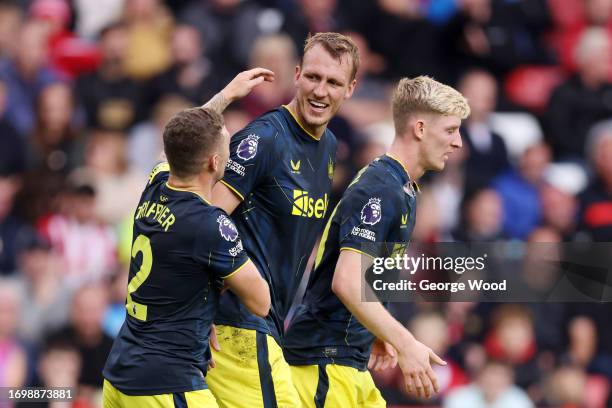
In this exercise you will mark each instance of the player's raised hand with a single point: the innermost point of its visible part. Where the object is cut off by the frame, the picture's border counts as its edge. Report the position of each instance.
(244, 82)
(415, 361)
(383, 356)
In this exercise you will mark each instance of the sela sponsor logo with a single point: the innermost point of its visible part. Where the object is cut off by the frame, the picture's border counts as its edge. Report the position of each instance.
(306, 206)
(227, 229)
(235, 167)
(371, 213)
(247, 148)
(364, 233)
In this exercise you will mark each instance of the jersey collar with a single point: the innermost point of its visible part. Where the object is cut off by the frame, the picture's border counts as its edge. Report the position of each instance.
(401, 171)
(294, 120)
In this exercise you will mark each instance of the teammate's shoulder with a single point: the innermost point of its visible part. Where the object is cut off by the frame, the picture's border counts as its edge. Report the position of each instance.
(159, 172)
(265, 126)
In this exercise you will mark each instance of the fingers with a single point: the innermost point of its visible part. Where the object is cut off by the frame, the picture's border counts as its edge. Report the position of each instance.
(211, 363)
(266, 74)
(418, 385)
(372, 361)
(434, 358)
(214, 342)
(434, 379)
(427, 386)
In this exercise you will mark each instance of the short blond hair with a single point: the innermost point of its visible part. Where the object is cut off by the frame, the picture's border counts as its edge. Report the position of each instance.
(337, 45)
(426, 95)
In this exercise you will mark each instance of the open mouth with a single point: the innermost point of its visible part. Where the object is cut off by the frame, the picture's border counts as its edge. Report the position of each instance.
(317, 106)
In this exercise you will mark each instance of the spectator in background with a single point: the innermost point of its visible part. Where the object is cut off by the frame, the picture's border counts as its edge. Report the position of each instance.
(25, 75)
(191, 75)
(10, 225)
(487, 156)
(145, 144)
(59, 365)
(512, 340)
(85, 329)
(493, 388)
(115, 182)
(111, 99)
(12, 145)
(86, 246)
(583, 99)
(370, 101)
(566, 387)
(53, 144)
(92, 16)
(11, 19)
(69, 55)
(482, 216)
(229, 28)
(149, 27)
(277, 53)
(115, 311)
(595, 216)
(559, 209)
(520, 192)
(40, 278)
(13, 359)
(597, 13)
(497, 35)
(311, 17)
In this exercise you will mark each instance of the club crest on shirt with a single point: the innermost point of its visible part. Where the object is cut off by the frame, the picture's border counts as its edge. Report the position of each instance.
(247, 148)
(227, 229)
(371, 213)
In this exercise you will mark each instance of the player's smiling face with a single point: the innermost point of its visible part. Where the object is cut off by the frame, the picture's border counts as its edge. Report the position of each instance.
(441, 138)
(322, 84)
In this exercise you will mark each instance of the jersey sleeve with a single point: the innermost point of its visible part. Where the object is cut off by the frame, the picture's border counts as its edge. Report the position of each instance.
(218, 245)
(251, 157)
(366, 221)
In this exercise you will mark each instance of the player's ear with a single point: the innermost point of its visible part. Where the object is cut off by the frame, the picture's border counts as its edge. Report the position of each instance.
(351, 89)
(214, 162)
(296, 76)
(418, 128)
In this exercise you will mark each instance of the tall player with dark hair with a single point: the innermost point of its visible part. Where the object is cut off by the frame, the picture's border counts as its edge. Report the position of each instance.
(277, 187)
(330, 340)
(184, 251)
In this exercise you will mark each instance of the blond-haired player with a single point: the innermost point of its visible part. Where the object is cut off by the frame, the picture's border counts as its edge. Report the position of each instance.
(334, 334)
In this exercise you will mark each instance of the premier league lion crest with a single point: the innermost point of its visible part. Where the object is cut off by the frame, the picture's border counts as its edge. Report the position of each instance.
(247, 149)
(371, 213)
(227, 228)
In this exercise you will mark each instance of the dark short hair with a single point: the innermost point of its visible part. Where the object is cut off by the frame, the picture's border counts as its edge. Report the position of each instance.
(189, 137)
(337, 45)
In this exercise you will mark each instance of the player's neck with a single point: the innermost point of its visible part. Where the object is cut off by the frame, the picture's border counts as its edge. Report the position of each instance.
(407, 155)
(315, 132)
(201, 185)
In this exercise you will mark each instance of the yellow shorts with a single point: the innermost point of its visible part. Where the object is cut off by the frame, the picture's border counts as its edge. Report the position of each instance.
(335, 386)
(113, 398)
(250, 371)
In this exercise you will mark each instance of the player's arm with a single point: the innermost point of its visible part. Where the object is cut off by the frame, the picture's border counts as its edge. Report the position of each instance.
(225, 198)
(414, 357)
(239, 87)
(251, 288)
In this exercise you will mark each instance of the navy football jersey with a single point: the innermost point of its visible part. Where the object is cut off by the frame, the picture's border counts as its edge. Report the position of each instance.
(283, 176)
(375, 216)
(182, 249)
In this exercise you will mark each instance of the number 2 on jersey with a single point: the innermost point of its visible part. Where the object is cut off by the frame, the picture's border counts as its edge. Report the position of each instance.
(142, 245)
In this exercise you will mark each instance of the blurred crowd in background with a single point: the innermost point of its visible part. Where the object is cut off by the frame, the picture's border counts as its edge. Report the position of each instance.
(85, 90)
